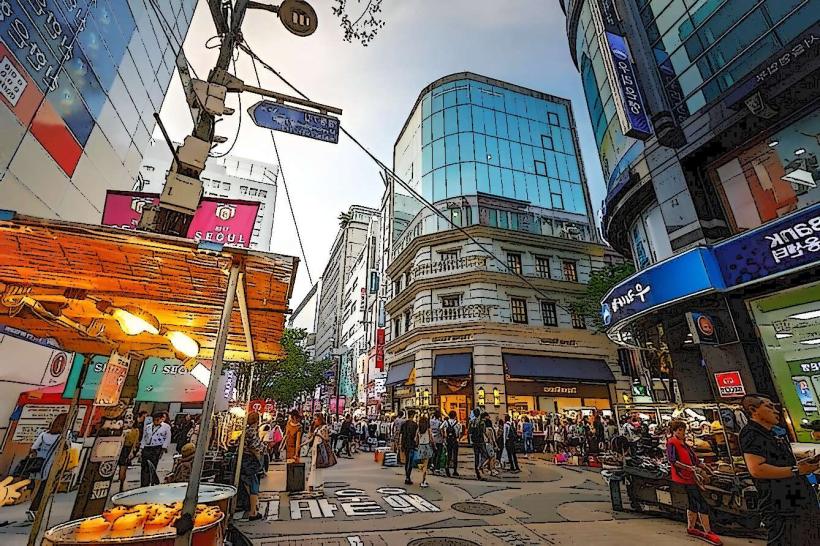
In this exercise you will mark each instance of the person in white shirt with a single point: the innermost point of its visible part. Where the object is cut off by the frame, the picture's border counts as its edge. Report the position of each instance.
(155, 441)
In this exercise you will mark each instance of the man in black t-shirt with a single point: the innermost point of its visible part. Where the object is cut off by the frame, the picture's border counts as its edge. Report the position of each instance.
(407, 438)
(787, 502)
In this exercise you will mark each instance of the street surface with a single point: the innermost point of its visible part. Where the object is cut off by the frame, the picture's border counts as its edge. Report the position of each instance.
(544, 504)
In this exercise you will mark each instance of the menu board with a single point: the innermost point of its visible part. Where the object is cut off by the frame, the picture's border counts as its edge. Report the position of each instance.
(36, 418)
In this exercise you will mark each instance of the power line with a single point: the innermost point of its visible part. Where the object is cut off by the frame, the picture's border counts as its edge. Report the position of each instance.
(284, 183)
(401, 182)
(175, 41)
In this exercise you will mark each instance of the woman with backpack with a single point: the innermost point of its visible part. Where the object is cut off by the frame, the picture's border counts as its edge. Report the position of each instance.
(251, 465)
(451, 430)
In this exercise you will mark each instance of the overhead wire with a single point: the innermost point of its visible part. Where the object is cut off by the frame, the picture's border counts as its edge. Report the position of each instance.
(285, 184)
(176, 41)
(245, 47)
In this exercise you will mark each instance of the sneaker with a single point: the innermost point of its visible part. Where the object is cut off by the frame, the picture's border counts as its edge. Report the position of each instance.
(695, 532)
(30, 515)
(712, 538)
(408, 482)
(424, 484)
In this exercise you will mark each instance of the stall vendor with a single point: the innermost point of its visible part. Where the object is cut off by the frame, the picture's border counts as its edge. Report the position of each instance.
(683, 461)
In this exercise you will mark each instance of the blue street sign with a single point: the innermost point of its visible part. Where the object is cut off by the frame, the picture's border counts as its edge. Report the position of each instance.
(288, 119)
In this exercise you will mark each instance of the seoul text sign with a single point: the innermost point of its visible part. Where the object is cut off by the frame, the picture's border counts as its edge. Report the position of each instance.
(288, 119)
(730, 385)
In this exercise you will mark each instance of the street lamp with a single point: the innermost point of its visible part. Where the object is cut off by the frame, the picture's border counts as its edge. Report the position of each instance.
(418, 396)
(496, 398)
(426, 397)
(481, 396)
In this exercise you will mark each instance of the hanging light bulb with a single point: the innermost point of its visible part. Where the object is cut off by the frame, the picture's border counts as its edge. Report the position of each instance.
(133, 322)
(184, 344)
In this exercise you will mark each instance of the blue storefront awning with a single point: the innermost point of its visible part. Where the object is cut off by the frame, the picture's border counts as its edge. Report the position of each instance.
(399, 372)
(558, 368)
(454, 365)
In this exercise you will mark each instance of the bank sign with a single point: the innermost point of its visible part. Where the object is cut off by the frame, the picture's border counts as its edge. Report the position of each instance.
(785, 245)
(289, 119)
(635, 122)
(690, 273)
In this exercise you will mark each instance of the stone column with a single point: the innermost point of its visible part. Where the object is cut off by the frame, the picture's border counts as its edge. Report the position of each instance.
(488, 372)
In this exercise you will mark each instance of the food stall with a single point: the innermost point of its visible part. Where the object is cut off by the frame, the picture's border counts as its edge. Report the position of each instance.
(639, 475)
(100, 291)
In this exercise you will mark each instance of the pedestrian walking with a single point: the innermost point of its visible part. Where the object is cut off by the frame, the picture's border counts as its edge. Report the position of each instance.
(526, 433)
(319, 435)
(787, 502)
(490, 445)
(424, 443)
(476, 435)
(438, 440)
(43, 455)
(155, 441)
(293, 436)
(407, 440)
(130, 445)
(346, 432)
(510, 437)
(252, 465)
(451, 430)
(184, 426)
(684, 461)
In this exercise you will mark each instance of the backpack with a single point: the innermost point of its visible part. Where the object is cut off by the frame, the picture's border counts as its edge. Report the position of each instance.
(476, 433)
(511, 433)
(452, 436)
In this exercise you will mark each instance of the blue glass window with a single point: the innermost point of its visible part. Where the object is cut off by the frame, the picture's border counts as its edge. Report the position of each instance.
(463, 93)
(450, 98)
(572, 166)
(532, 188)
(465, 120)
(528, 158)
(557, 141)
(480, 147)
(495, 181)
(427, 186)
(468, 180)
(505, 159)
(507, 188)
(501, 124)
(465, 144)
(516, 156)
(438, 153)
(489, 122)
(482, 177)
(426, 131)
(502, 219)
(512, 128)
(453, 174)
(546, 142)
(492, 151)
(439, 185)
(426, 158)
(478, 119)
(438, 125)
(540, 168)
(438, 101)
(563, 172)
(450, 120)
(557, 201)
(520, 185)
(68, 104)
(524, 128)
(451, 149)
(552, 168)
(425, 106)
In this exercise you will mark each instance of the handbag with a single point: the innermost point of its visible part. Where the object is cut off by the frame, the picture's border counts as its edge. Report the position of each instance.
(325, 458)
(28, 466)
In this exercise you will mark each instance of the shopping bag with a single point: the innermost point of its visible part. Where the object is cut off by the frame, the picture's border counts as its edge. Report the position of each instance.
(442, 458)
(325, 458)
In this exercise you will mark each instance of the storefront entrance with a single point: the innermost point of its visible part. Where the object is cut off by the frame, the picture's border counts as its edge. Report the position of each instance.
(455, 394)
(789, 324)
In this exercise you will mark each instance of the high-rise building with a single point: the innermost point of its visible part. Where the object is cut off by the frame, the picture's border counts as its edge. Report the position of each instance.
(479, 292)
(707, 120)
(81, 81)
(229, 177)
(355, 233)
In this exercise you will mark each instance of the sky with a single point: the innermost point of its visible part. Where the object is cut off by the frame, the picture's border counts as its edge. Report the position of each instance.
(519, 41)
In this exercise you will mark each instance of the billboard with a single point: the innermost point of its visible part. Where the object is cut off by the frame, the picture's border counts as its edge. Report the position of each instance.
(58, 60)
(224, 221)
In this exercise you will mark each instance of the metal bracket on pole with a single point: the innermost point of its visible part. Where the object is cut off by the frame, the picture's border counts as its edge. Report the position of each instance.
(185, 524)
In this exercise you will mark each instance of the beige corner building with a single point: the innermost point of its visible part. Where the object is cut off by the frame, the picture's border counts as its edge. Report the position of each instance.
(477, 295)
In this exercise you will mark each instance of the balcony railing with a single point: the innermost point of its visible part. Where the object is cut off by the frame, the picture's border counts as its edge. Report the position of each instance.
(448, 265)
(462, 312)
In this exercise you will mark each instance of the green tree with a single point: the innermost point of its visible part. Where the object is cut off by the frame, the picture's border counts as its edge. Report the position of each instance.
(600, 282)
(294, 376)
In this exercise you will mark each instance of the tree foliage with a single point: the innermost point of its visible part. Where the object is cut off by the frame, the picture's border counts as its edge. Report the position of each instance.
(366, 23)
(600, 282)
(297, 375)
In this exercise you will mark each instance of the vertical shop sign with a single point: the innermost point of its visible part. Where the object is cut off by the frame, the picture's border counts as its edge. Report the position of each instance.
(702, 328)
(730, 385)
(113, 378)
(380, 349)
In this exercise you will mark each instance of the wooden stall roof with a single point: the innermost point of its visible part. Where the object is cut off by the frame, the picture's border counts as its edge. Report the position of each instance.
(71, 269)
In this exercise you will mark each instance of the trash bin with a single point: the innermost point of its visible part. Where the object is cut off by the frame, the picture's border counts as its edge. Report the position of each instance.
(295, 477)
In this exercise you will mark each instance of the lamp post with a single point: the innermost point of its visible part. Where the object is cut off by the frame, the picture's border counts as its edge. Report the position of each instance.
(496, 398)
(482, 396)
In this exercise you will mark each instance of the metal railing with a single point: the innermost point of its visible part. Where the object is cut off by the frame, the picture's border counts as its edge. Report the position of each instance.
(448, 265)
(461, 312)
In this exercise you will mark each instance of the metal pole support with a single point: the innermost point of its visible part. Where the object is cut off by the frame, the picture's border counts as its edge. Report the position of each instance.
(185, 524)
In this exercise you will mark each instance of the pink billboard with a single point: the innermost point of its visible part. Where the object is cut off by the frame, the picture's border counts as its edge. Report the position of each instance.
(224, 221)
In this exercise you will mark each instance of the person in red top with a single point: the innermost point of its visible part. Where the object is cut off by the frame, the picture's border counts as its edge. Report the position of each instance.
(683, 460)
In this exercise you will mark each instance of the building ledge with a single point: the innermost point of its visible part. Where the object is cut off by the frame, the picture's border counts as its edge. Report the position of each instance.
(405, 257)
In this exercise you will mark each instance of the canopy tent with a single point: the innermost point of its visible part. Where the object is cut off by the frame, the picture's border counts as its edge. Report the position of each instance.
(61, 280)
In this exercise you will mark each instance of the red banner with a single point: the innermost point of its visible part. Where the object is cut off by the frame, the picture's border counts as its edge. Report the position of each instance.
(262, 406)
(224, 221)
(730, 385)
(380, 349)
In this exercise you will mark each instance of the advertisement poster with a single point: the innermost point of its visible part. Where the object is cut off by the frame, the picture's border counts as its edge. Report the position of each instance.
(36, 418)
(113, 378)
(806, 394)
(224, 221)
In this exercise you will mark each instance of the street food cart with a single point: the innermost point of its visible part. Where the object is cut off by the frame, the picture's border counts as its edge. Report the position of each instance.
(638, 472)
(100, 291)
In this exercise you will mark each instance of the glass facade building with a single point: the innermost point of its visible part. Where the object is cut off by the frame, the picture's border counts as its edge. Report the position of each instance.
(81, 81)
(470, 139)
